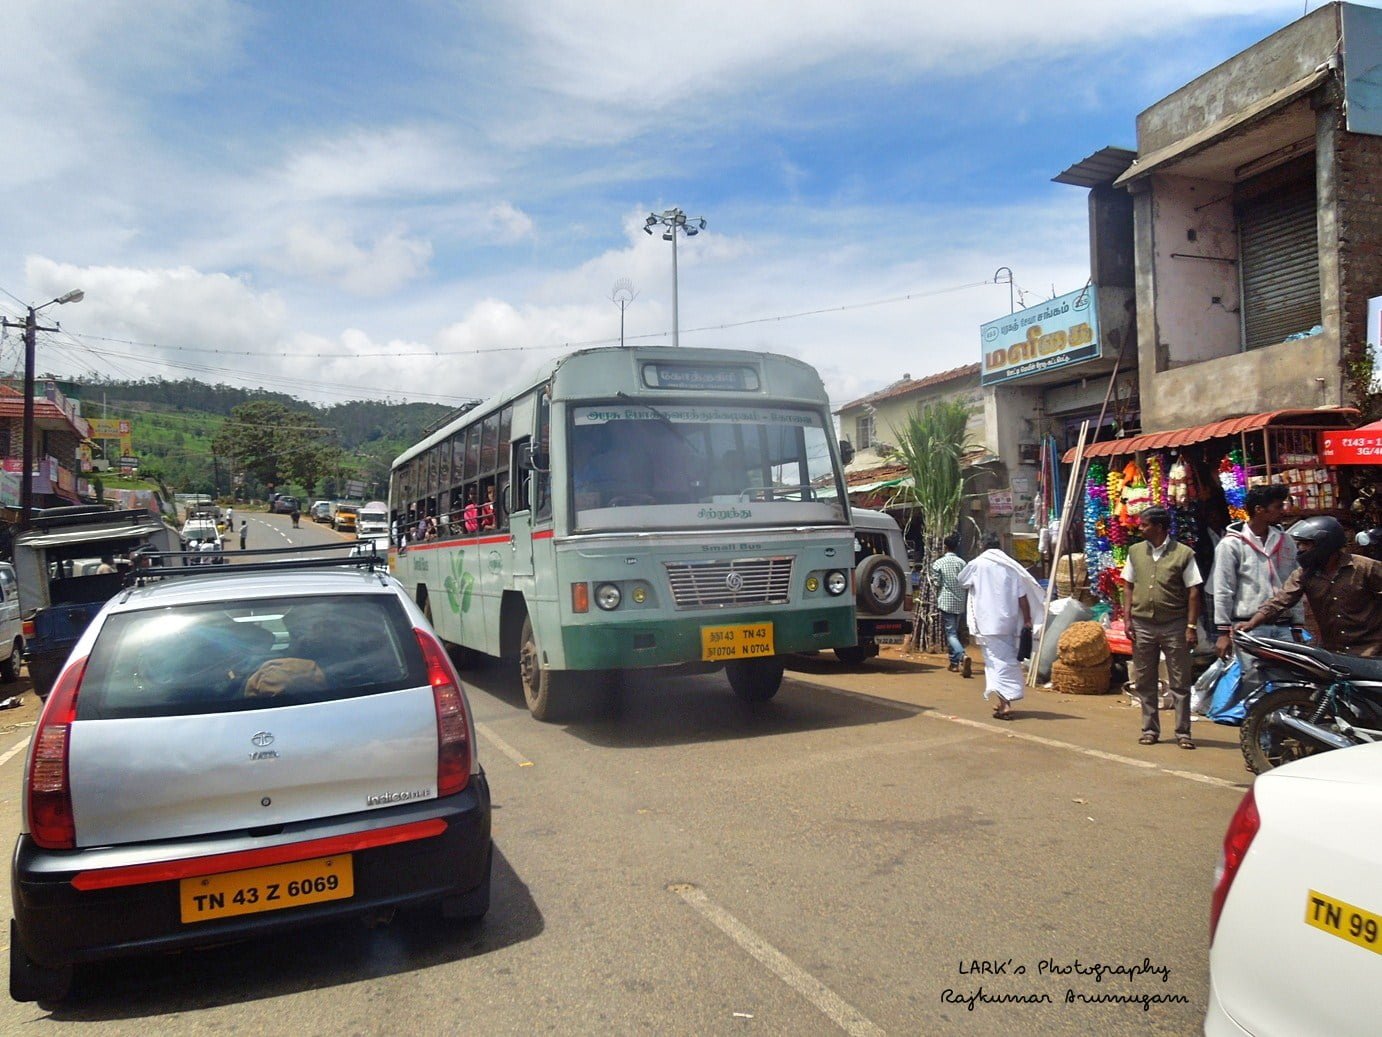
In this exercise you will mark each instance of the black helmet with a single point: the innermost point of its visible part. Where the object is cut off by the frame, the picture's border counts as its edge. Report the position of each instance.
(1324, 534)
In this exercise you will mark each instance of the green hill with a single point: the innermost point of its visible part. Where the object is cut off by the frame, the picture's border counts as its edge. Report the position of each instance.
(173, 424)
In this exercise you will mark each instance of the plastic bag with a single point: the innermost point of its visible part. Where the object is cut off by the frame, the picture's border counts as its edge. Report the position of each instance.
(1226, 707)
(1203, 691)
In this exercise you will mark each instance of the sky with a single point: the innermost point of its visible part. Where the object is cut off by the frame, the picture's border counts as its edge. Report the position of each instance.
(416, 200)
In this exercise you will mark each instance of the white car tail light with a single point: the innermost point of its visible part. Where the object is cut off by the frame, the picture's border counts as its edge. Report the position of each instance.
(50, 793)
(1241, 831)
(453, 725)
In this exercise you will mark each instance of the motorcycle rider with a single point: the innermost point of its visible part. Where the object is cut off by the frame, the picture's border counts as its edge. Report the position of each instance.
(1251, 563)
(1344, 589)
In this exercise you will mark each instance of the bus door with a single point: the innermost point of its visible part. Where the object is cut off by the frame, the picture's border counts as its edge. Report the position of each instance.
(520, 509)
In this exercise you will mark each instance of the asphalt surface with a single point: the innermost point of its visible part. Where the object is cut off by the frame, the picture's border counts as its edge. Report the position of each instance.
(845, 858)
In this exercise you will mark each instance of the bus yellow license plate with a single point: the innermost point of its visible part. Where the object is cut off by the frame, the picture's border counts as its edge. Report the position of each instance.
(736, 641)
(273, 888)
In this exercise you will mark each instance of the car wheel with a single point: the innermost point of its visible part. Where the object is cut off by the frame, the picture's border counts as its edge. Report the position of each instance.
(1266, 745)
(881, 585)
(548, 693)
(9, 668)
(855, 655)
(472, 906)
(755, 680)
(42, 674)
(31, 982)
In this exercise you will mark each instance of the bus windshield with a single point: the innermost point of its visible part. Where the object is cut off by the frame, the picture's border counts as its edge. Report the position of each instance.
(684, 466)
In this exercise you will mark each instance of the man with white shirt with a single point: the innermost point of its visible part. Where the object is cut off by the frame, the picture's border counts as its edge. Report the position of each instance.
(1161, 595)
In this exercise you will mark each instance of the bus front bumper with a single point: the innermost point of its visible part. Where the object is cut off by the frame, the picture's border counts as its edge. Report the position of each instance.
(620, 643)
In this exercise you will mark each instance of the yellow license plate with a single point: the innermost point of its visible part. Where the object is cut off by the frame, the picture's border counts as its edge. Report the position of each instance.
(267, 889)
(1345, 921)
(736, 641)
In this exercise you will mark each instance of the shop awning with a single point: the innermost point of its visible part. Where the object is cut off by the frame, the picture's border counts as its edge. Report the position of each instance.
(1362, 445)
(1179, 437)
(1212, 133)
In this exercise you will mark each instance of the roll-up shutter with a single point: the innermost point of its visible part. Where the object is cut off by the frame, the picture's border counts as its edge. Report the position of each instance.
(1279, 250)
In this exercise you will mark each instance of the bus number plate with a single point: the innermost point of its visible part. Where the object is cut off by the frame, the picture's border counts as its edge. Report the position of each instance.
(736, 641)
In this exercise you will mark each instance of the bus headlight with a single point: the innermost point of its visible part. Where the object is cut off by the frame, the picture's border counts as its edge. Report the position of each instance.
(812, 584)
(836, 583)
(607, 596)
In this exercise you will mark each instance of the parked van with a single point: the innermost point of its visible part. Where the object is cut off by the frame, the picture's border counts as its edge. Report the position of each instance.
(11, 624)
(880, 584)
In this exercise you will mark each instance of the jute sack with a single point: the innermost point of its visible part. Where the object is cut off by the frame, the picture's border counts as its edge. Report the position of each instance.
(1080, 680)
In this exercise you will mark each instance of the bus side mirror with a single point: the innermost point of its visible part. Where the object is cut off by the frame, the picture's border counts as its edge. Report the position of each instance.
(846, 452)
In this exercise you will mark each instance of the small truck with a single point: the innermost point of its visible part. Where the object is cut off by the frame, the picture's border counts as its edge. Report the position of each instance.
(60, 588)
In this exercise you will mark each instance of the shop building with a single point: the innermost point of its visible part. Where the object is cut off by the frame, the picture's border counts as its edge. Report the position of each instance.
(1256, 195)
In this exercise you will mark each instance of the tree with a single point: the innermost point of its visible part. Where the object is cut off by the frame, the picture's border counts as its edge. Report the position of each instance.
(271, 442)
(933, 445)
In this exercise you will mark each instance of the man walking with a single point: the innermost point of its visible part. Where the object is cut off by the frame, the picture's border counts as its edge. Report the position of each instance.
(1003, 598)
(950, 599)
(244, 533)
(1345, 589)
(1252, 563)
(1161, 593)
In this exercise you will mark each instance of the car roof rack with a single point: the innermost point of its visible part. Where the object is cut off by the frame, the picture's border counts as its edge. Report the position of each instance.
(163, 565)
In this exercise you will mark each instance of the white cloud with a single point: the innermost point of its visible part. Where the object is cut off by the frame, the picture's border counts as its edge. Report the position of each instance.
(507, 223)
(330, 253)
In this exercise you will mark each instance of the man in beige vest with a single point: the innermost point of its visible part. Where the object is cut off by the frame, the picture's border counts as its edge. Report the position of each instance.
(1161, 597)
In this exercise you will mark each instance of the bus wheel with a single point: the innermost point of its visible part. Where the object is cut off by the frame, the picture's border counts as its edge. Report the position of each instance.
(548, 693)
(755, 680)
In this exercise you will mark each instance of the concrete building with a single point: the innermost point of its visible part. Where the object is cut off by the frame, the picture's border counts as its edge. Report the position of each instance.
(1257, 213)
(59, 431)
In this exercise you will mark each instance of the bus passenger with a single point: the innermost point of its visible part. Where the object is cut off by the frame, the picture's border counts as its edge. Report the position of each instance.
(470, 516)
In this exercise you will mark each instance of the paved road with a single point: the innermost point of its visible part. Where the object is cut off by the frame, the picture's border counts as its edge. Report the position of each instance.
(836, 860)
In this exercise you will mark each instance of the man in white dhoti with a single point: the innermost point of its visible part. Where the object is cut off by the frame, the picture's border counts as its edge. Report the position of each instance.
(1003, 599)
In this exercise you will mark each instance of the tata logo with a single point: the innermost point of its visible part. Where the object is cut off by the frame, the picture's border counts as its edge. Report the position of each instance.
(262, 739)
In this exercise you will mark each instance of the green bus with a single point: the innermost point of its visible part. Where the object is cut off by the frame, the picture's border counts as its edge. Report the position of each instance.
(627, 508)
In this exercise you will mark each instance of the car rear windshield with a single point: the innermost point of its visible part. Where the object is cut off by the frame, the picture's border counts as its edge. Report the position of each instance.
(215, 658)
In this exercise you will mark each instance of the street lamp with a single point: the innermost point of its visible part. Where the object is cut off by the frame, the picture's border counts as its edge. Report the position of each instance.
(31, 329)
(674, 220)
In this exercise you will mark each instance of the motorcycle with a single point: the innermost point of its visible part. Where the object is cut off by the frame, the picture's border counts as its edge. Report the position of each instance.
(1311, 701)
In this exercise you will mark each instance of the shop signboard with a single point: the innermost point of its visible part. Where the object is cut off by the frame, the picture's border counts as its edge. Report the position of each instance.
(1000, 502)
(1058, 333)
(1354, 446)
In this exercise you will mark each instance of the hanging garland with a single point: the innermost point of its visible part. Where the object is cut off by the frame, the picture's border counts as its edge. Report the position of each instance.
(1233, 478)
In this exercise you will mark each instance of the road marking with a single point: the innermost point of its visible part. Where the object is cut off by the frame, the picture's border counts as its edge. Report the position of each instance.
(503, 746)
(830, 1004)
(10, 753)
(1099, 754)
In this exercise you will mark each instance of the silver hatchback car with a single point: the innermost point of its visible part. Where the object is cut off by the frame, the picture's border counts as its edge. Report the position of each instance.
(236, 750)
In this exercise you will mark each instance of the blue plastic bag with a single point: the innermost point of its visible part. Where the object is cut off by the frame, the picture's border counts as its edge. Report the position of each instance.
(1226, 707)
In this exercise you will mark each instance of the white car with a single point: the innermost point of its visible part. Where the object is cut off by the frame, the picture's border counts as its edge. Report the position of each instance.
(1296, 916)
(230, 752)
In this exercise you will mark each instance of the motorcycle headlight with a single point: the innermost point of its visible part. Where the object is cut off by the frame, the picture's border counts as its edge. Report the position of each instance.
(836, 583)
(607, 596)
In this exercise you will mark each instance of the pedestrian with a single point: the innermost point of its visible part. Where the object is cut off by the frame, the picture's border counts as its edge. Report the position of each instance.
(1002, 601)
(244, 533)
(230, 518)
(107, 566)
(1344, 589)
(1252, 563)
(950, 599)
(1161, 594)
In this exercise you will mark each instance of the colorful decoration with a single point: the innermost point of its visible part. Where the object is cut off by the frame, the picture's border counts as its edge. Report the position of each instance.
(1233, 479)
(1156, 479)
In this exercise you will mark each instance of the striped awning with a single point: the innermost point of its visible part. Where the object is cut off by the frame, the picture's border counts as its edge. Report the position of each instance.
(1322, 418)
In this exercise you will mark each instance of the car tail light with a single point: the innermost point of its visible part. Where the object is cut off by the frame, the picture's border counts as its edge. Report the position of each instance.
(27, 628)
(50, 793)
(453, 725)
(1237, 839)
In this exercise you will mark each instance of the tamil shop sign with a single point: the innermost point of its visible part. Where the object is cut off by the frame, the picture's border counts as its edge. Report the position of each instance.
(1058, 333)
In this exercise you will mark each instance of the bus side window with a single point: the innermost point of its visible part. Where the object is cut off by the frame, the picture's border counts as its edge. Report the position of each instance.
(522, 462)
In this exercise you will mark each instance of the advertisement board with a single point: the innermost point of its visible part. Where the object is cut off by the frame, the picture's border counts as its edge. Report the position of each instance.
(1058, 333)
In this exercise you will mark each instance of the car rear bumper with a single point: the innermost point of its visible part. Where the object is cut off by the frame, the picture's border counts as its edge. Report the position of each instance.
(59, 923)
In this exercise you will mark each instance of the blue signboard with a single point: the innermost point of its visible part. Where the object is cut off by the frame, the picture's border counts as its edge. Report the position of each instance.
(1059, 333)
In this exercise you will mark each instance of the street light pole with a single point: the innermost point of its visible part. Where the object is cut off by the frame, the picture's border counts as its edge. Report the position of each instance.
(31, 330)
(674, 220)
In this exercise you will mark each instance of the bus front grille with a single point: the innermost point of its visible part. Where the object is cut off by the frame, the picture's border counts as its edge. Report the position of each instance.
(722, 584)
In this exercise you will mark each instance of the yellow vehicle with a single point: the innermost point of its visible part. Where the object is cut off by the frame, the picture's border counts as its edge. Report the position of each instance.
(343, 518)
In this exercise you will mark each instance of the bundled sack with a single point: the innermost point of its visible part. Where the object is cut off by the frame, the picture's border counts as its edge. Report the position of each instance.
(1083, 645)
(1062, 613)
